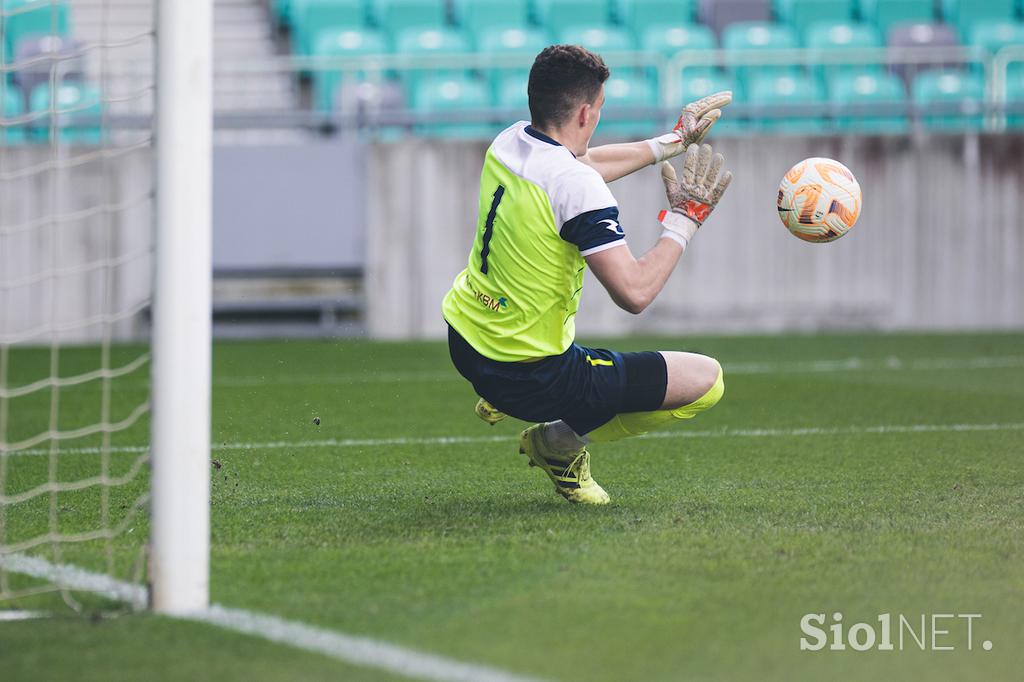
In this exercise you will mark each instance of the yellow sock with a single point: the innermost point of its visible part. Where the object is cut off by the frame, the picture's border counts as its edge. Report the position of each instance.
(638, 423)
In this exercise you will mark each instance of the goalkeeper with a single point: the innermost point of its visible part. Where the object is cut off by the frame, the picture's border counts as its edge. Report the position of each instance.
(546, 213)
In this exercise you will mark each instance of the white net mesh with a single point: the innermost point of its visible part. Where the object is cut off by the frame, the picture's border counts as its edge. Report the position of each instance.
(76, 204)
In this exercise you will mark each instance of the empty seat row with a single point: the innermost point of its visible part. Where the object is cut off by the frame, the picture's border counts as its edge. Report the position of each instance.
(475, 15)
(77, 108)
(670, 39)
(743, 41)
(457, 104)
(29, 30)
(306, 17)
(663, 40)
(445, 97)
(31, 19)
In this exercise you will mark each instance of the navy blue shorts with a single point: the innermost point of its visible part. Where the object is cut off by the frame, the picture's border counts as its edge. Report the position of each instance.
(584, 387)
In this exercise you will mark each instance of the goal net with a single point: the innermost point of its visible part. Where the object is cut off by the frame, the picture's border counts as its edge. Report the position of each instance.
(88, 142)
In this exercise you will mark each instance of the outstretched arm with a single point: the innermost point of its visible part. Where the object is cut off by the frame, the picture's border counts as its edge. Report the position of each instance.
(633, 283)
(614, 161)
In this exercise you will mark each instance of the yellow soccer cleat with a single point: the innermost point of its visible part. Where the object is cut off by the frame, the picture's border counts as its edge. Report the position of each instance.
(488, 412)
(570, 473)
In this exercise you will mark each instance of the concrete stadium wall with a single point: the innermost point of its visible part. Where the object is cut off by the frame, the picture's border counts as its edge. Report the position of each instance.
(75, 243)
(939, 244)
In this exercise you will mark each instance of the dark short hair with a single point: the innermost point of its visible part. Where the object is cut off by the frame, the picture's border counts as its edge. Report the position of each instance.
(562, 78)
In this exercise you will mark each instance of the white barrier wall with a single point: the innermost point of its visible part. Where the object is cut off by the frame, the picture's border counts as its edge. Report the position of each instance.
(939, 243)
(75, 243)
(76, 230)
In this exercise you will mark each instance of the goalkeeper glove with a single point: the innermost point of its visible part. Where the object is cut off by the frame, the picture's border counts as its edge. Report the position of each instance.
(693, 125)
(693, 199)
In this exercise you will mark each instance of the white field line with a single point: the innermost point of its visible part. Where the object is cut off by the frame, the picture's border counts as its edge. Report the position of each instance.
(459, 440)
(75, 578)
(795, 367)
(7, 616)
(360, 651)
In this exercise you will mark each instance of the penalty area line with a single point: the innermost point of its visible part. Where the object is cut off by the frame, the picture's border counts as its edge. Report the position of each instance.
(361, 651)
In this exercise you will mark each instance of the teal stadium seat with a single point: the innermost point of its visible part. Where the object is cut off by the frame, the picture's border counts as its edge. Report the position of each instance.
(624, 91)
(776, 100)
(511, 40)
(341, 43)
(599, 38)
(826, 37)
(417, 43)
(510, 92)
(869, 102)
(964, 14)
(310, 17)
(510, 95)
(32, 18)
(478, 15)
(957, 94)
(394, 16)
(640, 16)
(459, 93)
(668, 41)
(555, 15)
(11, 134)
(703, 84)
(280, 11)
(746, 38)
(801, 14)
(995, 35)
(1015, 98)
(521, 44)
(73, 101)
(842, 35)
(885, 13)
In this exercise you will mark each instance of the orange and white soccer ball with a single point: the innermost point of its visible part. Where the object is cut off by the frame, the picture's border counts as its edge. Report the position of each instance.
(819, 200)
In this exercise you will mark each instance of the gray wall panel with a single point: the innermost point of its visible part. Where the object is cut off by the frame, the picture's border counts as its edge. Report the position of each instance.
(289, 207)
(938, 245)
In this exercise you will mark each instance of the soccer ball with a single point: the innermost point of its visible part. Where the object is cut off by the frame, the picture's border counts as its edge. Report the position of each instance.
(819, 200)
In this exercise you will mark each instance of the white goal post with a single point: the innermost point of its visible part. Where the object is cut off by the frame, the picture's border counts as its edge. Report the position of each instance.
(106, 130)
(180, 436)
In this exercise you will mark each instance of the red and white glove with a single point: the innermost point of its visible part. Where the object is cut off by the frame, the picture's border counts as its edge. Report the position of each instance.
(693, 199)
(693, 125)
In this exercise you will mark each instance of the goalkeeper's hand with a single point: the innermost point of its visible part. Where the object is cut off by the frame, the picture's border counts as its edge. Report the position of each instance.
(693, 199)
(693, 125)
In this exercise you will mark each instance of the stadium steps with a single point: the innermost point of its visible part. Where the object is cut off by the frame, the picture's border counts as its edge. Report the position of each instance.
(242, 35)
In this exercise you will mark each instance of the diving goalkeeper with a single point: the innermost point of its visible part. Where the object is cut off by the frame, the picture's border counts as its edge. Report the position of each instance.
(546, 213)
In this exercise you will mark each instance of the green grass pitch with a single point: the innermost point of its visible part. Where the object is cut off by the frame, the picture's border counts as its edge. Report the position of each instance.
(783, 500)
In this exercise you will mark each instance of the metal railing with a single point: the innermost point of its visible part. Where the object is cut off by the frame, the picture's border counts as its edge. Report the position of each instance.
(391, 70)
(381, 70)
